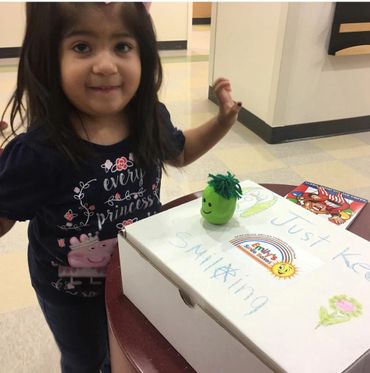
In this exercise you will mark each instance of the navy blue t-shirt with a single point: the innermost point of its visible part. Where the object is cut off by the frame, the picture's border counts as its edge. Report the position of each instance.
(75, 215)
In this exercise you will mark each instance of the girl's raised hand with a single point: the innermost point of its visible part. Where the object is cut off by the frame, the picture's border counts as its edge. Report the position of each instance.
(228, 108)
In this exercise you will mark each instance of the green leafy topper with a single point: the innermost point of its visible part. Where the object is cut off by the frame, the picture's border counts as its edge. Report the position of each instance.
(226, 185)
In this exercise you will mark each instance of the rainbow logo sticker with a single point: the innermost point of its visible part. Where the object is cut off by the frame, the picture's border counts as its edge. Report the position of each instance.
(271, 252)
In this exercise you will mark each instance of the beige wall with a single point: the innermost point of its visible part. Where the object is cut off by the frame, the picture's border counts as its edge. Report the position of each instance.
(172, 22)
(246, 47)
(12, 21)
(276, 56)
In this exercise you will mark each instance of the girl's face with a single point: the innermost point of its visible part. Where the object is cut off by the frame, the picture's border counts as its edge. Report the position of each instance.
(100, 63)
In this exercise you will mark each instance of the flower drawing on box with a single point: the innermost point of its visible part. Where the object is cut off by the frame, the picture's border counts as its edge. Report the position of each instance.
(343, 308)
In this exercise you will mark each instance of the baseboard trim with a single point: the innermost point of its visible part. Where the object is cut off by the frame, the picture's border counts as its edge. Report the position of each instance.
(275, 135)
(10, 52)
(173, 44)
(201, 21)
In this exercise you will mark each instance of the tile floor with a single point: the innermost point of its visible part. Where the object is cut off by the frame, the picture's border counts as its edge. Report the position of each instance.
(342, 162)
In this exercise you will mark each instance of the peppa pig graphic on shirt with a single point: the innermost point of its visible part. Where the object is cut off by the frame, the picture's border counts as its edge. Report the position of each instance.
(88, 259)
(89, 252)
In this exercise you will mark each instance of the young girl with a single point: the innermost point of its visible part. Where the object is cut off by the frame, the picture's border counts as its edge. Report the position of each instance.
(91, 158)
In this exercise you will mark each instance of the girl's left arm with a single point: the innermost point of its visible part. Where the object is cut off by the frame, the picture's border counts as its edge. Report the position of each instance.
(201, 139)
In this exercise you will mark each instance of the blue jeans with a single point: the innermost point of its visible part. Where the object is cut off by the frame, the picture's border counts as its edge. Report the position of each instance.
(81, 334)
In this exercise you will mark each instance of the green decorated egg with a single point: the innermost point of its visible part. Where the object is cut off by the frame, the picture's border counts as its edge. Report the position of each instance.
(219, 198)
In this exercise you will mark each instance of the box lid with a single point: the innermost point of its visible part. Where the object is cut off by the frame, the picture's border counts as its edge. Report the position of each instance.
(290, 287)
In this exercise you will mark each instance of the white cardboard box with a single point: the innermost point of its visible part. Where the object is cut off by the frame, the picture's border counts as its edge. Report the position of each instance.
(277, 289)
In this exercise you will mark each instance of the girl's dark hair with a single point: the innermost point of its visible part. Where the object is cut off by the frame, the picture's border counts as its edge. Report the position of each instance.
(40, 101)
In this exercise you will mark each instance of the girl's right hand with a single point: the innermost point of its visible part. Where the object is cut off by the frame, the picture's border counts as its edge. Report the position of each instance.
(228, 108)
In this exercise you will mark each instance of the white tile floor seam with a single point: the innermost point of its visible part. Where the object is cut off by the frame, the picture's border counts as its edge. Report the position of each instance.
(343, 162)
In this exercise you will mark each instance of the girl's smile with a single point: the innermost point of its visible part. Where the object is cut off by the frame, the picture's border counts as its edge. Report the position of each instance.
(105, 89)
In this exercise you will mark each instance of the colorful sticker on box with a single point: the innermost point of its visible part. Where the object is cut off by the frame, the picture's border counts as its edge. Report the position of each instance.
(271, 252)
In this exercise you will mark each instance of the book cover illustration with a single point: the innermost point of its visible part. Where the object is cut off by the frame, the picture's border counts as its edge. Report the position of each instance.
(338, 207)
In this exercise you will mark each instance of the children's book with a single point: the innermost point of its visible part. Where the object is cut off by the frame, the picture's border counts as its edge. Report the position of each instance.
(338, 207)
